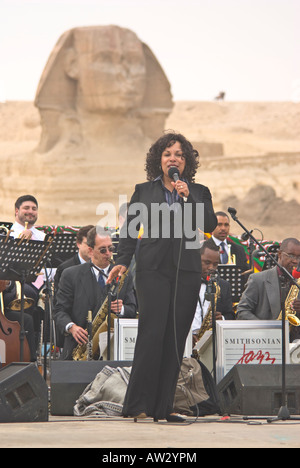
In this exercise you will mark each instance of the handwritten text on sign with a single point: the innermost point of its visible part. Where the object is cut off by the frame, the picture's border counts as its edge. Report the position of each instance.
(252, 350)
(248, 342)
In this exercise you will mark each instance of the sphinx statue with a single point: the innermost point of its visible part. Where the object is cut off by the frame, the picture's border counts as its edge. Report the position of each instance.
(101, 87)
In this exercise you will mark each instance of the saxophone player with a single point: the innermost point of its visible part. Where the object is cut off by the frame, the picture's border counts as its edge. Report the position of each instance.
(82, 288)
(210, 259)
(265, 291)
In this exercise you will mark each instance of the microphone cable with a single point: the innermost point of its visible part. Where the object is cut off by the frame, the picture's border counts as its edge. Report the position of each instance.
(187, 423)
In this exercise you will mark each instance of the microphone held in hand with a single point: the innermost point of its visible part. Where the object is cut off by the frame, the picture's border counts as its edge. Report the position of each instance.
(173, 173)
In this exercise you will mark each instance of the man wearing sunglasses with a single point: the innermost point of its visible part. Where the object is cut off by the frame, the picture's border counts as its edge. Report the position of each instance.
(266, 291)
(82, 288)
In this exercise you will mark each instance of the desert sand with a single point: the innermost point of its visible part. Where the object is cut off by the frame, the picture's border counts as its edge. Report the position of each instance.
(249, 158)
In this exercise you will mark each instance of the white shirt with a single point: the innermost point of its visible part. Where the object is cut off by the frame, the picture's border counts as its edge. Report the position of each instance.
(201, 309)
(37, 235)
(218, 242)
(17, 228)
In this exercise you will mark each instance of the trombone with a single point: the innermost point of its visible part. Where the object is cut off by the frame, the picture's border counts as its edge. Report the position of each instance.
(15, 304)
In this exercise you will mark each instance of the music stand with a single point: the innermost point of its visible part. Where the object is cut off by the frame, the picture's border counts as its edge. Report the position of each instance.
(63, 247)
(19, 261)
(233, 274)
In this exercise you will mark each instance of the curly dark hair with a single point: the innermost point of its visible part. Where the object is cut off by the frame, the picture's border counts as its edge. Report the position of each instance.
(153, 160)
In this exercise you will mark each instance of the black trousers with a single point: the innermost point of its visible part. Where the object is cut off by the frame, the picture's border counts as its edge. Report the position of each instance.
(162, 334)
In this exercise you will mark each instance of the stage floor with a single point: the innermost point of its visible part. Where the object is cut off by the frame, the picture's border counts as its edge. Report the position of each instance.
(113, 433)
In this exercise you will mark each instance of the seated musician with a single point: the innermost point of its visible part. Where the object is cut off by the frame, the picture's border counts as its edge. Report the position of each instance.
(82, 256)
(26, 215)
(210, 258)
(266, 290)
(7, 288)
(82, 288)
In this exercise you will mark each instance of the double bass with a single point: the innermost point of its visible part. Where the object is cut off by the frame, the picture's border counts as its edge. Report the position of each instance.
(10, 337)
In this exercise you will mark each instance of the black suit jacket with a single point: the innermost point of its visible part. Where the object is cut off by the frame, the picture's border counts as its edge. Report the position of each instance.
(155, 241)
(239, 252)
(224, 303)
(67, 264)
(78, 293)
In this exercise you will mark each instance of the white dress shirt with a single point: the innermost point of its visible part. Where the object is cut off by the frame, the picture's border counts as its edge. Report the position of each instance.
(201, 309)
(17, 228)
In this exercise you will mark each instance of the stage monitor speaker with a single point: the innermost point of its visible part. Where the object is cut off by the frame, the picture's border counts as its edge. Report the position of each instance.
(70, 378)
(256, 390)
(23, 394)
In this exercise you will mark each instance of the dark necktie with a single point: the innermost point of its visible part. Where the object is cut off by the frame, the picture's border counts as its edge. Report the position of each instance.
(101, 281)
(224, 254)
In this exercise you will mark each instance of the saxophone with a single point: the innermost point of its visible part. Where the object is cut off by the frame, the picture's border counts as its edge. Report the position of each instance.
(90, 350)
(206, 323)
(290, 314)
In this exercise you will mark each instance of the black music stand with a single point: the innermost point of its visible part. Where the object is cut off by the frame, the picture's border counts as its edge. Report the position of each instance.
(20, 260)
(233, 274)
(63, 247)
(283, 413)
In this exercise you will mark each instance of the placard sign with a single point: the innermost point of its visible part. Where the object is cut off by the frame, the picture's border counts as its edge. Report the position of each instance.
(249, 342)
(125, 333)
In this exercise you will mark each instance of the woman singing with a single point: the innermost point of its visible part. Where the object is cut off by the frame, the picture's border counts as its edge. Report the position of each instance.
(168, 271)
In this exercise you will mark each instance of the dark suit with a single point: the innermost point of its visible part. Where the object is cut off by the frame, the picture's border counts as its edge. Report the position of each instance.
(224, 302)
(78, 293)
(261, 298)
(74, 260)
(240, 255)
(158, 348)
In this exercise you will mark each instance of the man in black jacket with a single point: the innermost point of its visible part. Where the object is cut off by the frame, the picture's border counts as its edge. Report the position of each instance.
(210, 259)
(82, 288)
(221, 239)
(80, 257)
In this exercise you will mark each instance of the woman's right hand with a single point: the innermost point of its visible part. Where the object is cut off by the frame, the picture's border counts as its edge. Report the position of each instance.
(117, 270)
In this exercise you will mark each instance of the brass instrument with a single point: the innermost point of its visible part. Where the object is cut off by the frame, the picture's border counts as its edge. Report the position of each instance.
(16, 303)
(231, 257)
(290, 314)
(4, 228)
(206, 324)
(89, 353)
(80, 352)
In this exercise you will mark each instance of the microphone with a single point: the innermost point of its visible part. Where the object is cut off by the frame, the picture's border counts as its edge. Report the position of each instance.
(173, 173)
(232, 212)
(296, 272)
(245, 236)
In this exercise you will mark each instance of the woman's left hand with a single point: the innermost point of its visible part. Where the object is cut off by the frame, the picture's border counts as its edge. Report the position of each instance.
(182, 188)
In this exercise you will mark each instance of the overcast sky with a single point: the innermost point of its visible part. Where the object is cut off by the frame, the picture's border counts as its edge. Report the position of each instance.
(248, 48)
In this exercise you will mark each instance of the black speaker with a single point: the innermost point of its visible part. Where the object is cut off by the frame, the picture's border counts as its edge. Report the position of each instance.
(23, 394)
(256, 390)
(70, 378)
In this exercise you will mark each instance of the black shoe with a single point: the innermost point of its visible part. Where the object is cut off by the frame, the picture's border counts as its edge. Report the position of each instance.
(175, 418)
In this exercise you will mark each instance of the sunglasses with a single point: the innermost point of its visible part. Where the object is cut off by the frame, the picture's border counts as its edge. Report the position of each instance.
(104, 249)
